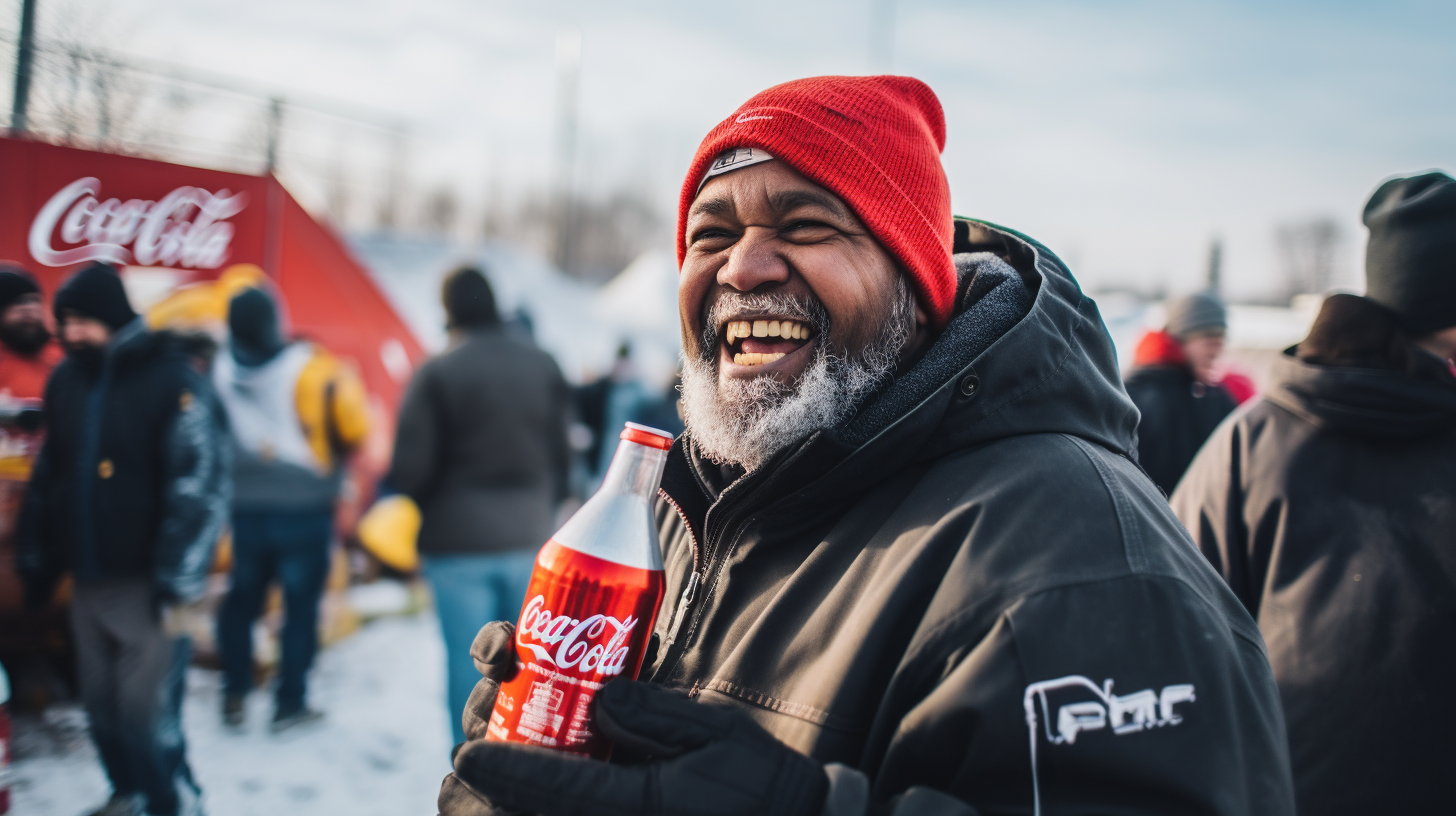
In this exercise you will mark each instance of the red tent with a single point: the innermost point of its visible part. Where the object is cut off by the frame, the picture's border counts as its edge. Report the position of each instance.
(61, 207)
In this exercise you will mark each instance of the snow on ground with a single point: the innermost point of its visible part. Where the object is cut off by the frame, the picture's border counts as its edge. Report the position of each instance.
(382, 748)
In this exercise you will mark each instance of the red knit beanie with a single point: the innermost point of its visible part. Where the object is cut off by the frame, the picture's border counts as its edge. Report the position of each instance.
(873, 141)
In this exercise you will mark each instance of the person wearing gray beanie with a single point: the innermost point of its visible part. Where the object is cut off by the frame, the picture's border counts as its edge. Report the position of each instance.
(1175, 387)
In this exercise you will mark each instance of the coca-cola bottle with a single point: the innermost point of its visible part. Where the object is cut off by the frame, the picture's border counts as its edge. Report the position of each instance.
(590, 608)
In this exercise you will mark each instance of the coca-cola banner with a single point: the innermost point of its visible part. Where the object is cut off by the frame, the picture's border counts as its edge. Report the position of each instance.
(168, 226)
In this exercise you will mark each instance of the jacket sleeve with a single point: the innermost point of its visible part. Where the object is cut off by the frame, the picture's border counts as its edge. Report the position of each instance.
(197, 491)
(416, 460)
(1131, 695)
(1210, 502)
(36, 561)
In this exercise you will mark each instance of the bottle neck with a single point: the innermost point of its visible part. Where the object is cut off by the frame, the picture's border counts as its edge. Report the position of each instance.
(635, 469)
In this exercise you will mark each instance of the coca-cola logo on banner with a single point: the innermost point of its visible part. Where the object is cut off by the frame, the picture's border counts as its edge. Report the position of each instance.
(576, 643)
(187, 228)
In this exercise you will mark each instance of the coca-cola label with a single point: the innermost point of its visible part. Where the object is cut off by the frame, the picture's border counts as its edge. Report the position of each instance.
(597, 643)
(188, 228)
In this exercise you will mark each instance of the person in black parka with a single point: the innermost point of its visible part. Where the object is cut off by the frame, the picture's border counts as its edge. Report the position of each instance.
(1179, 400)
(910, 564)
(129, 495)
(1330, 509)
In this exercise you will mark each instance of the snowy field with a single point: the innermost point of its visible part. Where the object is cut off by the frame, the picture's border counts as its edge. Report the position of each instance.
(382, 748)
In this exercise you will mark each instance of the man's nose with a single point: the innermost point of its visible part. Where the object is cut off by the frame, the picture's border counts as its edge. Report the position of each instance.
(754, 261)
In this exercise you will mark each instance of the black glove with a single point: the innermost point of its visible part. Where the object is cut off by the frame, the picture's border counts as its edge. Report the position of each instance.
(704, 759)
(495, 659)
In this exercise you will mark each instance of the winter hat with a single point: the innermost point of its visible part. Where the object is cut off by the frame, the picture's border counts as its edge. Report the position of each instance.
(96, 292)
(1197, 312)
(469, 301)
(253, 325)
(15, 283)
(874, 142)
(1410, 261)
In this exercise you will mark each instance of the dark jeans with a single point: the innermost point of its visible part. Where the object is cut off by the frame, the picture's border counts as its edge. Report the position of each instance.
(293, 547)
(132, 680)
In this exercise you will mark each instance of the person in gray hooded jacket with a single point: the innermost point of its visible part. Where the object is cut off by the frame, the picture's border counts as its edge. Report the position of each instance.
(911, 564)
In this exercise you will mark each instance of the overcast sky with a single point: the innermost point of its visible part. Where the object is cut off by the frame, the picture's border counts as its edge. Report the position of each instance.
(1122, 134)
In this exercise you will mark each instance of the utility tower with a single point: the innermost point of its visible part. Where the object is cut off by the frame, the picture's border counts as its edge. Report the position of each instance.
(568, 77)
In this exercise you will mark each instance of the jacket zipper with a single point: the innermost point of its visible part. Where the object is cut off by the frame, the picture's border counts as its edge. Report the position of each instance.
(701, 567)
(690, 592)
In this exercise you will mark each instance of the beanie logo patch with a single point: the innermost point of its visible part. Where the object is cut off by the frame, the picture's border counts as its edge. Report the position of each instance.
(744, 117)
(735, 158)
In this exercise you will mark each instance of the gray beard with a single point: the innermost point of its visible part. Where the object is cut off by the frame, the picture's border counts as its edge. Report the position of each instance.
(746, 422)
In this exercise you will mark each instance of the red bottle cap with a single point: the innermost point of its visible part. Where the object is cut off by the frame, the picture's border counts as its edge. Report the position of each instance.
(643, 435)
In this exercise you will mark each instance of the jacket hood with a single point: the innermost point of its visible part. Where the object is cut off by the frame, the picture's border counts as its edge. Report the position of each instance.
(1025, 352)
(1370, 402)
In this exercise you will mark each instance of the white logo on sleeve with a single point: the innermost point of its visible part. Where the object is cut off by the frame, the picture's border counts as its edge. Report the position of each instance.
(1073, 705)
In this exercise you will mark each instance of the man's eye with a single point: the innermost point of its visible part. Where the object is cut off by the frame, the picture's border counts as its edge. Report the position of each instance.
(711, 235)
(806, 230)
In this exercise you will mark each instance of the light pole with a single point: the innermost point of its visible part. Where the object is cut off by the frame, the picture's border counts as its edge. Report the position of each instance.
(24, 55)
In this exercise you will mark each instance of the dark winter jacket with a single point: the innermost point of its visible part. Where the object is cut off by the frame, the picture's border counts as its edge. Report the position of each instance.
(134, 479)
(1177, 414)
(970, 591)
(1330, 508)
(481, 445)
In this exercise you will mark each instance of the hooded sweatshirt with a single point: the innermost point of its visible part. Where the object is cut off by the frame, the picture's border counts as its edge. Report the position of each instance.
(969, 598)
(1330, 508)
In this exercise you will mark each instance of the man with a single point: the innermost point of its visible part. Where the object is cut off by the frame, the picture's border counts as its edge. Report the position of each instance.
(911, 565)
(1174, 384)
(130, 495)
(296, 413)
(1330, 508)
(481, 447)
(27, 354)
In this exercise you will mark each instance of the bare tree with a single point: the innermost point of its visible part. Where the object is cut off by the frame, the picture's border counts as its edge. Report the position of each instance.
(82, 93)
(1308, 254)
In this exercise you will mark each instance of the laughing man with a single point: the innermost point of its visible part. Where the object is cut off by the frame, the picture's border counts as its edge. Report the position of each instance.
(912, 564)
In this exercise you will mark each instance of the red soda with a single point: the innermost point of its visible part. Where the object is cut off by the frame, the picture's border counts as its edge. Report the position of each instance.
(590, 607)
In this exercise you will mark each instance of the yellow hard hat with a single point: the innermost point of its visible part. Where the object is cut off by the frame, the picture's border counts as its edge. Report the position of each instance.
(389, 531)
(191, 307)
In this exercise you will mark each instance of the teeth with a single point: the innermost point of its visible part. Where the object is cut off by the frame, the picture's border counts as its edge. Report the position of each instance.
(739, 329)
(750, 358)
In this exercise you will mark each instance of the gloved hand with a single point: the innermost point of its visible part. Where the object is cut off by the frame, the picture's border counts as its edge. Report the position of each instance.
(495, 659)
(494, 653)
(702, 759)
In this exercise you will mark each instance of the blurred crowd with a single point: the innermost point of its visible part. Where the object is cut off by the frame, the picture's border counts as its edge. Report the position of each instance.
(143, 452)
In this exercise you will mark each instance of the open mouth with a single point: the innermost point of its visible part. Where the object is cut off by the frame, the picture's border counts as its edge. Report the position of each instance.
(764, 340)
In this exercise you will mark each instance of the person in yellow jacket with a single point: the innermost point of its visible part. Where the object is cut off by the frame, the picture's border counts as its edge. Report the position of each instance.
(296, 412)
